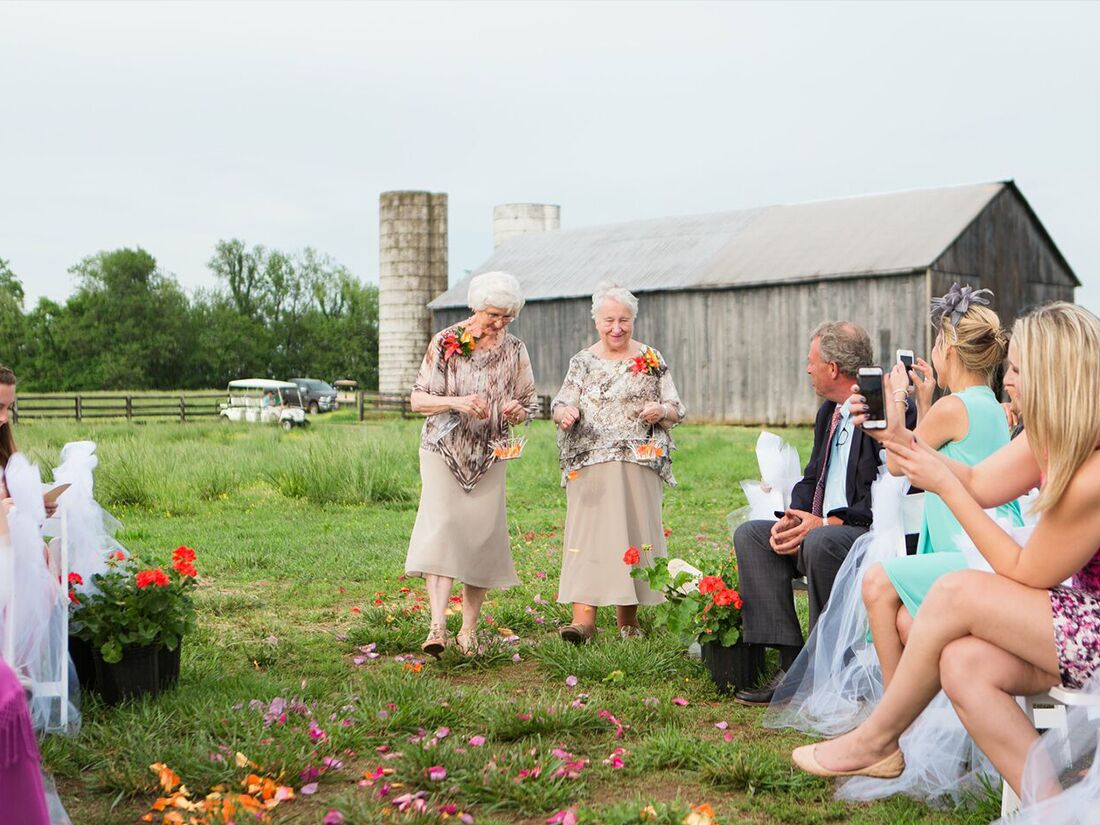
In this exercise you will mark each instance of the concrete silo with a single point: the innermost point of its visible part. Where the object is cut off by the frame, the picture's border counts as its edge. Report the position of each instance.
(412, 271)
(512, 219)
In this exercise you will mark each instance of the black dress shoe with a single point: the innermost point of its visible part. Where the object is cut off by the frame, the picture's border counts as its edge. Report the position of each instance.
(763, 694)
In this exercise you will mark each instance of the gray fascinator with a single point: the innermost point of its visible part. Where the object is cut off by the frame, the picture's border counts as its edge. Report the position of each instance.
(956, 302)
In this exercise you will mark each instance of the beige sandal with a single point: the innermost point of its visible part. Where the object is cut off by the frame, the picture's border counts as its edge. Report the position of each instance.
(466, 641)
(631, 631)
(436, 641)
(577, 634)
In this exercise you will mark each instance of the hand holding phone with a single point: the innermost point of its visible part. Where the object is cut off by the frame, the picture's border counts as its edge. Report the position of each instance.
(905, 356)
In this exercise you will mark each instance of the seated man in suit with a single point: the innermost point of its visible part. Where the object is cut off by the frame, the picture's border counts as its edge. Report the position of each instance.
(830, 509)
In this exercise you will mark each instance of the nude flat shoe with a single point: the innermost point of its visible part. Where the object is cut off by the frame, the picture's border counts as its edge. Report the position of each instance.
(577, 634)
(436, 641)
(887, 768)
(466, 641)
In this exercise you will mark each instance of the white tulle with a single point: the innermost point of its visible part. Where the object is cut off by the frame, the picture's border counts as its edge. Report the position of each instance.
(91, 529)
(836, 680)
(779, 472)
(33, 618)
(1061, 783)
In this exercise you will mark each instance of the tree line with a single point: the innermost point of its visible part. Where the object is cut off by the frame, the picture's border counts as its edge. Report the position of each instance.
(129, 324)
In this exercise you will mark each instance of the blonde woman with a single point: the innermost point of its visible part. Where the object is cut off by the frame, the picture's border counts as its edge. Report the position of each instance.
(983, 637)
(968, 426)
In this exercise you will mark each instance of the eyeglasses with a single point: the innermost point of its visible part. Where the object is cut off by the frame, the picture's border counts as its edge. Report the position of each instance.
(496, 316)
(842, 436)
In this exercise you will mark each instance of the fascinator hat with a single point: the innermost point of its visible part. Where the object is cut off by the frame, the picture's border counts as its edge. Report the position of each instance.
(954, 305)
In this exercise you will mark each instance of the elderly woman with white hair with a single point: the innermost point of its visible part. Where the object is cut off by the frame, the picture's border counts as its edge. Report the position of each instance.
(474, 384)
(614, 412)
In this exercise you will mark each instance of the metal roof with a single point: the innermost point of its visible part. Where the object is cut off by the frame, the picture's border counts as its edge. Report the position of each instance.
(866, 235)
(261, 384)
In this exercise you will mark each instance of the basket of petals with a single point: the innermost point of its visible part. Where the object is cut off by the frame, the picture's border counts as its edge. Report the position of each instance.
(505, 449)
(647, 450)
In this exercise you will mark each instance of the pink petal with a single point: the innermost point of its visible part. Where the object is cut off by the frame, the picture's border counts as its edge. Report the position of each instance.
(571, 681)
(680, 700)
(477, 741)
(721, 725)
(309, 790)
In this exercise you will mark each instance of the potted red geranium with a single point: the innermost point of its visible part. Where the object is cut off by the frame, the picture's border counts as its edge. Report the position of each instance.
(136, 617)
(706, 610)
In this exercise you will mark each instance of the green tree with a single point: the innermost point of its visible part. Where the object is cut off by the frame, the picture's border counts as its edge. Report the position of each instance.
(13, 324)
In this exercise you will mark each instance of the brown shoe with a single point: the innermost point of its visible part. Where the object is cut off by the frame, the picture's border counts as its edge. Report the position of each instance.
(436, 641)
(577, 634)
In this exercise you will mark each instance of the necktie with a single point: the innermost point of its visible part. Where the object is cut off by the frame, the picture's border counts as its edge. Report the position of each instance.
(819, 490)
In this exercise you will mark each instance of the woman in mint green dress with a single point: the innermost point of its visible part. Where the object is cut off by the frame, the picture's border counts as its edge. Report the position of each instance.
(967, 425)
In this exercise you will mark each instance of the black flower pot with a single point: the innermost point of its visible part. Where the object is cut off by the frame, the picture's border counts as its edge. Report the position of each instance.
(80, 651)
(733, 668)
(136, 674)
(168, 665)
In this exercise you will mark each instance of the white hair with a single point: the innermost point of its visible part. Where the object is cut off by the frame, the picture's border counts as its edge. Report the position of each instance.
(495, 289)
(609, 291)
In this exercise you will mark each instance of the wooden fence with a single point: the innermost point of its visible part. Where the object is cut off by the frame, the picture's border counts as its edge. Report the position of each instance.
(183, 407)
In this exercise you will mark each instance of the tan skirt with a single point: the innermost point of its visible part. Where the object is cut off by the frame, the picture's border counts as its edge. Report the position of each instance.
(610, 507)
(461, 535)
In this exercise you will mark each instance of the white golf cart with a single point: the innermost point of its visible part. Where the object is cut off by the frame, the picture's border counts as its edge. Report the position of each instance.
(263, 401)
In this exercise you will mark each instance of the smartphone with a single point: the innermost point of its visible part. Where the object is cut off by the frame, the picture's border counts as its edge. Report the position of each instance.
(870, 387)
(905, 356)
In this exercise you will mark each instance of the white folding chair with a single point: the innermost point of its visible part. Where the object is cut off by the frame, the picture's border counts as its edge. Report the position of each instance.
(58, 527)
(1047, 711)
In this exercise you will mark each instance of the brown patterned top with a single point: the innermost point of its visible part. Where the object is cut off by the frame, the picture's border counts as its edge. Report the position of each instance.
(610, 398)
(498, 375)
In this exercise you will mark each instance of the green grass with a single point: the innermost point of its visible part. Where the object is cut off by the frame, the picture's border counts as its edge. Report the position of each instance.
(301, 539)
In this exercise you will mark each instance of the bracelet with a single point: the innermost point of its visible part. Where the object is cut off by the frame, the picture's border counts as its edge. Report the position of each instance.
(903, 392)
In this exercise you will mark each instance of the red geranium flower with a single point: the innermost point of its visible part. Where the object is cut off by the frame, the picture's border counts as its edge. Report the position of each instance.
(183, 554)
(75, 578)
(632, 556)
(724, 598)
(73, 598)
(185, 568)
(156, 577)
(118, 555)
(711, 584)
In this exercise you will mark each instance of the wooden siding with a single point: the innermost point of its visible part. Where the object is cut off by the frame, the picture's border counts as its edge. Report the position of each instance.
(737, 355)
(1005, 250)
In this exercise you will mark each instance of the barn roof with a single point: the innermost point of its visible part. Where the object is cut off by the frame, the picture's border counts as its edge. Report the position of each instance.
(847, 237)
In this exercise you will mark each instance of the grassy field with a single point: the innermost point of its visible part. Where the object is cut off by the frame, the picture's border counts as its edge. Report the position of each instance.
(301, 539)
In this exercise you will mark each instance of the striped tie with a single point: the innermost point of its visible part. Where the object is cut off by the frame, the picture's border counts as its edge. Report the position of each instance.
(819, 490)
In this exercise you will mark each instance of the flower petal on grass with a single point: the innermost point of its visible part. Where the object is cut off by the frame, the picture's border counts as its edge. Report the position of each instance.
(309, 790)
(571, 681)
(681, 701)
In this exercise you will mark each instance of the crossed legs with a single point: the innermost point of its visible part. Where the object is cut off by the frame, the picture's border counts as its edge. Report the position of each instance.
(984, 639)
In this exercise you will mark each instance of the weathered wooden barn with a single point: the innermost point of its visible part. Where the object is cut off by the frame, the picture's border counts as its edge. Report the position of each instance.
(731, 298)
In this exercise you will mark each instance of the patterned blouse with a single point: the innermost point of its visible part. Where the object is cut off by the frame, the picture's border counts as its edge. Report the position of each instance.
(610, 397)
(498, 375)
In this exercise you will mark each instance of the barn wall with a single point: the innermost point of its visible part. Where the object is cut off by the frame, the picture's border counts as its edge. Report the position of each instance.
(737, 355)
(1005, 250)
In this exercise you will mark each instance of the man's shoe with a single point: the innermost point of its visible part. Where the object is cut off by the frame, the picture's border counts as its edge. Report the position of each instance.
(763, 694)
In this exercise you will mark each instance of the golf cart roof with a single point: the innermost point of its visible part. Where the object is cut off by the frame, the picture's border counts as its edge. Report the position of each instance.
(261, 384)
(345, 382)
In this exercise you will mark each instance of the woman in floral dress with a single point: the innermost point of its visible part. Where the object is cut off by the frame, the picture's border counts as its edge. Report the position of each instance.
(984, 637)
(614, 412)
(474, 384)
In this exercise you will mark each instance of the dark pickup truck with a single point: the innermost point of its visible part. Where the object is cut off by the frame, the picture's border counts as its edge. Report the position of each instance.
(317, 396)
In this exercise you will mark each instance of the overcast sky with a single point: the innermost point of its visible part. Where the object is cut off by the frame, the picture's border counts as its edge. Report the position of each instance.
(170, 126)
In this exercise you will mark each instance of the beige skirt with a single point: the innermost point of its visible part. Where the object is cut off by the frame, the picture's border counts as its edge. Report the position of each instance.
(461, 535)
(610, 506)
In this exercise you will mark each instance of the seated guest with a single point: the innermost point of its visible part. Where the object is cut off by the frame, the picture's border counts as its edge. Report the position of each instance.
(967, 425)
(830, 509)
(987, 637)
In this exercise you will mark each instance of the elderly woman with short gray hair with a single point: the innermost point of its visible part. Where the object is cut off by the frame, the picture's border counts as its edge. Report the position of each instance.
(614, 412)
(474, 384)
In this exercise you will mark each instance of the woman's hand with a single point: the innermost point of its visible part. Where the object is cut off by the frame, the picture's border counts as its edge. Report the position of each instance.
(923, 465)
(924, 384)
(654, 412)
(567, 416)
(897, 382)
(514, 412)
(473, 405)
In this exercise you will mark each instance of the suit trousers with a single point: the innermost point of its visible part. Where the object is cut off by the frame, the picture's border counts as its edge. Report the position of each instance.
(768, 615)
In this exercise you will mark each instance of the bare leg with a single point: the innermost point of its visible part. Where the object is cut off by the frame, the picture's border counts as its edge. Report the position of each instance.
(882, 602)
(584, 615)
(982, 681)
(439, 593)
(626, 615)
(904, 624)
(1010, 616)
(472, 599)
